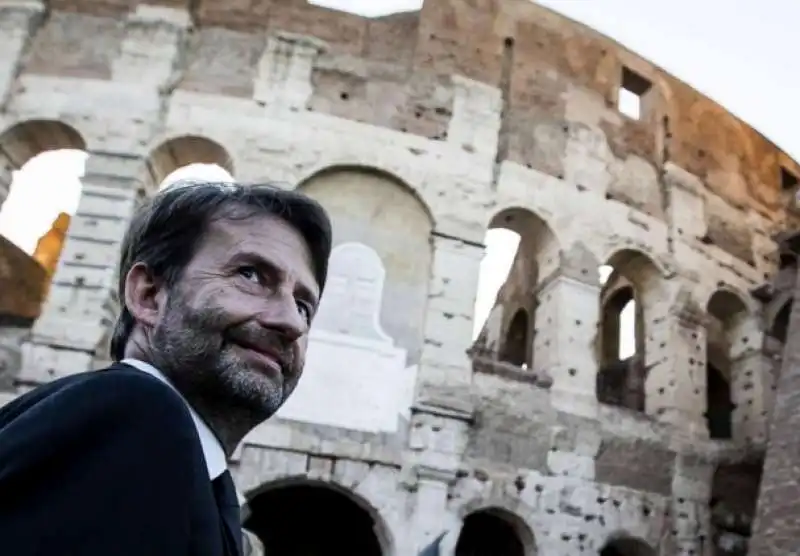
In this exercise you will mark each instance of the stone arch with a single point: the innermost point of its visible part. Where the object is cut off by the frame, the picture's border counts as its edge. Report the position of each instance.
(727, 314)
(633, 284)
(494, 531)
(38, 244)
(723, 294)
(624, 545)
(376, 209)
(779, 324)
(23, 141)
(191, 152)
(515, 347)
(375, 162)
(537, 256)
(377, 171)
(283, 512)
(619, 249)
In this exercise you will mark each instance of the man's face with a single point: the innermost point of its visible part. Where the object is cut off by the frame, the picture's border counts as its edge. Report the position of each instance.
(234, 330)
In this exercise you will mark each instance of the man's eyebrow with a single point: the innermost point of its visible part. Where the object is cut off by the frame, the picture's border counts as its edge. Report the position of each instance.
(258, 260)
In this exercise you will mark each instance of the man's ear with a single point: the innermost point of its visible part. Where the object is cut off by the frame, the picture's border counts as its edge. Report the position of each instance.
(144, 295)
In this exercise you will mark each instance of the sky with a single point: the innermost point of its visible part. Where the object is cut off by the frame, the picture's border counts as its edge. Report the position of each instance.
(741, 53)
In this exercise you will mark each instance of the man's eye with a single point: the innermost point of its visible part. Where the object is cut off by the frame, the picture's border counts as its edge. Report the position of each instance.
(249, 273)
(305, 310)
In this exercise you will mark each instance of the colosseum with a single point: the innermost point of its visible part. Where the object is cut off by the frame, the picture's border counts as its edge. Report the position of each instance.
(618, 397)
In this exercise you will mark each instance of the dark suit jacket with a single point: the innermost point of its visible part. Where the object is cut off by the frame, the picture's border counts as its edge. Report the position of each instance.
(108, 463)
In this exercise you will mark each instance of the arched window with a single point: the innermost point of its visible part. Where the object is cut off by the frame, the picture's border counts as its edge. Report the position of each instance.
(41, 165)
(630, 288)
(188, 157)
(521, 250)
(726, 312)
(514, 349)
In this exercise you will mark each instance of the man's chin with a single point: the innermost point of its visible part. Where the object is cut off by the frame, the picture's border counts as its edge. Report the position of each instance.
(257, 391)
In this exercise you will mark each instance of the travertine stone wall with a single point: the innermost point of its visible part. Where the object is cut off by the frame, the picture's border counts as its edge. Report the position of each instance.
(420, 131)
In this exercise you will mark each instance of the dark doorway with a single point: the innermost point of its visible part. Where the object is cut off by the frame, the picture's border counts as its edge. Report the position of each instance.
(311, 520)
(487, 534)
(719, 408)
(515, 346)
(627, 547)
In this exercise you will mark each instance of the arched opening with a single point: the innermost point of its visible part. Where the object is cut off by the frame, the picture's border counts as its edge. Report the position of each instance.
(719, 404)
(775, 342)
(515, 344)
(493, 532)
(41, 165)
(630, 284)
(188, 158)
(726, 312)
(311, 519)
(732, 507)
(619, 325)
(32, 155)
(780, 325)
(787, 261)
(373, 208)
(627, 546)
(521, 251)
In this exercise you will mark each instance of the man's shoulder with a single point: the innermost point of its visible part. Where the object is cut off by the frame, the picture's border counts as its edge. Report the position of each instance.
(117, 389)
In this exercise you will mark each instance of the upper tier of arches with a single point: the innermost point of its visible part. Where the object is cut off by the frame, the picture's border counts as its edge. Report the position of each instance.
(535, 57)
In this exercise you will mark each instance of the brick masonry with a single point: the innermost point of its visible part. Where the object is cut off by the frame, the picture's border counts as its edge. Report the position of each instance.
(461, 117)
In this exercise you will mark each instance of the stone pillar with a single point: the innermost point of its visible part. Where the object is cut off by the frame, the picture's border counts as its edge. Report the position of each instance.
(81, 303)
(437, 440)
(748, 377)
(476, 120)
(283, 76)
(431, 517)
(152, 46)
(442, 415)
(567, 314)
(18, 18)
(675, 358)
(689, 525)
(445, 371)
(773, 355)
(751, 392)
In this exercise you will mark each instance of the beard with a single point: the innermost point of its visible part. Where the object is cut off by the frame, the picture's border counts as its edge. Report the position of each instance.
(192, 348)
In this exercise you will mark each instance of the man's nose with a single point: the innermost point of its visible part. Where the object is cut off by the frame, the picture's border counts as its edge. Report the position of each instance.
(282, 315)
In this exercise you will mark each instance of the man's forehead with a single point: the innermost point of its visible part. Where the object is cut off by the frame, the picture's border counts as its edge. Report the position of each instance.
(232, 231)
(266, 236)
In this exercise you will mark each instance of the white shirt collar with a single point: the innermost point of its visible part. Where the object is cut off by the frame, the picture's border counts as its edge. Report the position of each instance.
(216, 461)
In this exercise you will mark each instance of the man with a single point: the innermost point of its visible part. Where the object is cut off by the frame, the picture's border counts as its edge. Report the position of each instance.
(218, 286)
